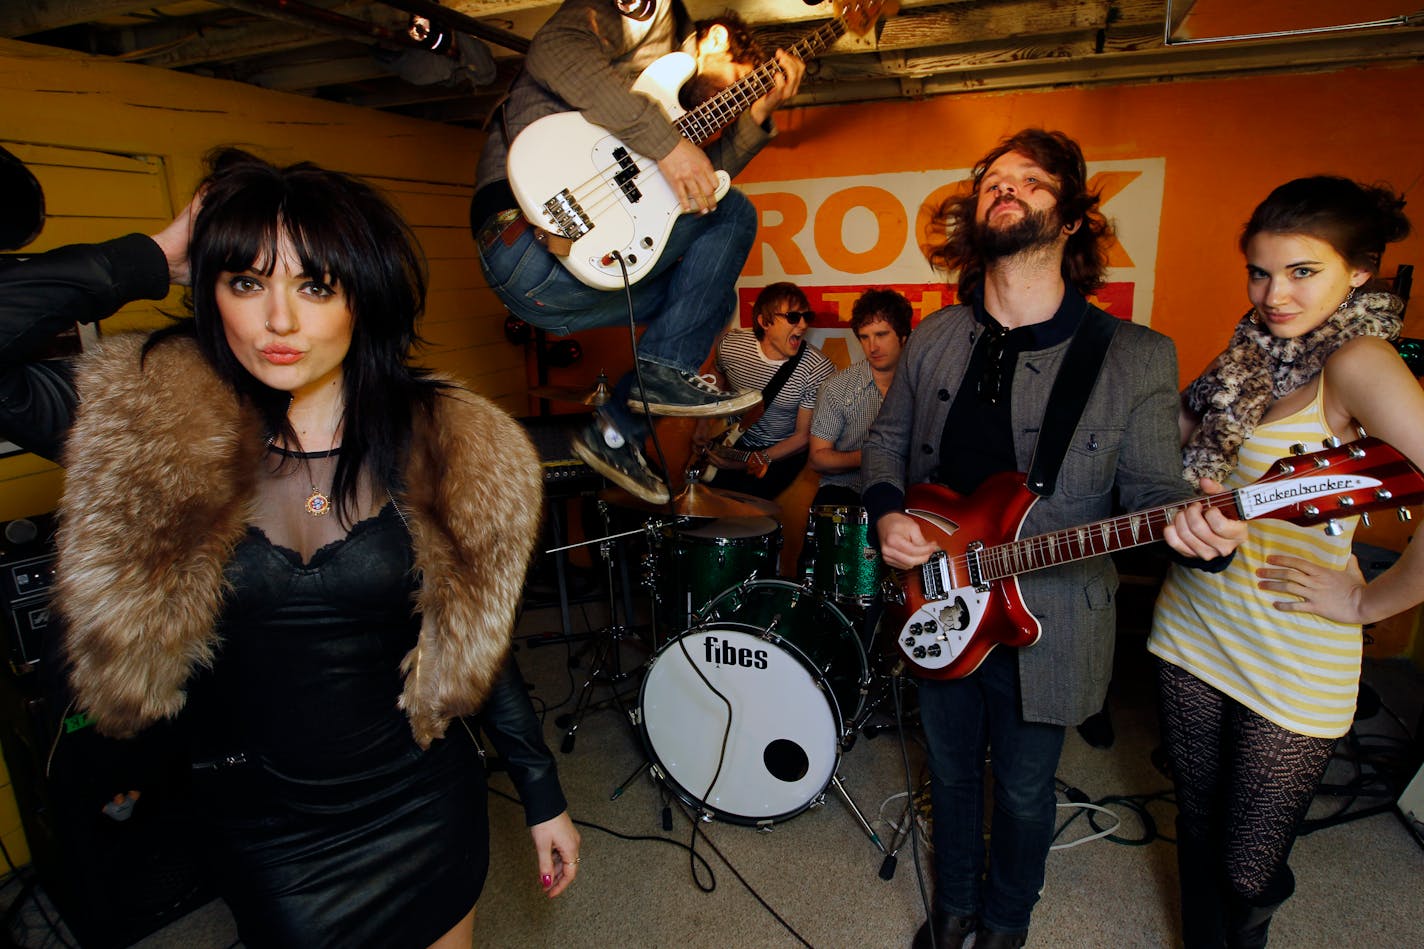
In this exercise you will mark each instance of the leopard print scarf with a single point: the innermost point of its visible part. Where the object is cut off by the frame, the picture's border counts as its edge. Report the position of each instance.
(1257, 368)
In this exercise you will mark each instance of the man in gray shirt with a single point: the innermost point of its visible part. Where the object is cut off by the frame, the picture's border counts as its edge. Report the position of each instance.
(585, 59)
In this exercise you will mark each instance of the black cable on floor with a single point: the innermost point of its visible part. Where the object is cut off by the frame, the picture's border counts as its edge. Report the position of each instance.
(1136, 803)
(912, 811)
(743, 880)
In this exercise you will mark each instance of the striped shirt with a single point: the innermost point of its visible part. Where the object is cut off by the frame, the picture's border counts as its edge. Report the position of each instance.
(1298, 670)
(845, 409)
(745, 366)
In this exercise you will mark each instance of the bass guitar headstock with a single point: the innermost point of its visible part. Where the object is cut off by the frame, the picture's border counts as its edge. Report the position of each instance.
(860, 16)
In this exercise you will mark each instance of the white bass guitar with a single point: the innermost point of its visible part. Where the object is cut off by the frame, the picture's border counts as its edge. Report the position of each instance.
(578, 183)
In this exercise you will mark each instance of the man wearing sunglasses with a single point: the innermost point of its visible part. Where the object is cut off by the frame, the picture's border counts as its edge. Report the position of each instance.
(774, 358)
(970, 399)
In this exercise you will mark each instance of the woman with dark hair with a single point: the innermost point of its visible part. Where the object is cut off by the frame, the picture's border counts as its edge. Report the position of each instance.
(275, 525)
(1260, 664)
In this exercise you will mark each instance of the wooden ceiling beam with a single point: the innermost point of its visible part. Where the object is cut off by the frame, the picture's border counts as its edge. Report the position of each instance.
(942, 75)
(23, 18)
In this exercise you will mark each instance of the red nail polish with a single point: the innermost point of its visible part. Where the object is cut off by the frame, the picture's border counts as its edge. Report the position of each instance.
(547, 880)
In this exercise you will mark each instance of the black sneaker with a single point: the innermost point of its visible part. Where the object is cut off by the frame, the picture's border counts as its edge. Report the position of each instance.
(623, 466)
(682, 394)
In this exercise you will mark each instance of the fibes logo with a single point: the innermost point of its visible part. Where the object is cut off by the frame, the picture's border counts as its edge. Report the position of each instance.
(720, 652)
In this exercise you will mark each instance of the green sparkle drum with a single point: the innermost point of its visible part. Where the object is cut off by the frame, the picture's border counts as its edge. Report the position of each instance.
(847, 567)
(697, 563)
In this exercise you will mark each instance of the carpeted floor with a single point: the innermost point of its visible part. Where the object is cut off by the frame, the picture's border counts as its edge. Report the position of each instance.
(1359, 882)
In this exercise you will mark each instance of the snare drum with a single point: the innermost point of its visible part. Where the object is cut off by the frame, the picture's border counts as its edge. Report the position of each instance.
(792, 672)
(697, 563)
(847, 568)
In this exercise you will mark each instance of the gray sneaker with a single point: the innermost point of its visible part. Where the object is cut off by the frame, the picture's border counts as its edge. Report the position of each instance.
(682, 394)
(623, 466)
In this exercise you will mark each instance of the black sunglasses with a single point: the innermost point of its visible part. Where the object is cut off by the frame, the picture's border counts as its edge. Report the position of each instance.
(798, 316)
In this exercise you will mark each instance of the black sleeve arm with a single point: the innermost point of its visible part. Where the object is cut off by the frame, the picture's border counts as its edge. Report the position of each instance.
(44, 295)
(508, 719)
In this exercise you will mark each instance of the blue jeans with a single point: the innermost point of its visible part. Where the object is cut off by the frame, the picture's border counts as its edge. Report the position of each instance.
(686, 300)
(962, 719)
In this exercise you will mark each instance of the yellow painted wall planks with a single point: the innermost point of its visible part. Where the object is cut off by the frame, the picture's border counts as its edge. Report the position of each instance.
(118, 147)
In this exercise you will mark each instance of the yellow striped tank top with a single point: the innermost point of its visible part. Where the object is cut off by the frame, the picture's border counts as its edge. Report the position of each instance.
(1298, 670)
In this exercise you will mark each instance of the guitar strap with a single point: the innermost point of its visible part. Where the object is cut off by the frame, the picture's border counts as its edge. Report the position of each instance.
(776, 383)
(1069, 397)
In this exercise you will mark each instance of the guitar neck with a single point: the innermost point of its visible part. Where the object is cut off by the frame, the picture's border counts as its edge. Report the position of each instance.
(721, 110)
(1090, 540)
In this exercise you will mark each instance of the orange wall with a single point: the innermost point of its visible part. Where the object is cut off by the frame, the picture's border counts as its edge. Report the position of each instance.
(1226, 143)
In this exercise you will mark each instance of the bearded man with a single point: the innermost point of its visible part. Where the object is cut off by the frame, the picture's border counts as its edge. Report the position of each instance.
(971, 398)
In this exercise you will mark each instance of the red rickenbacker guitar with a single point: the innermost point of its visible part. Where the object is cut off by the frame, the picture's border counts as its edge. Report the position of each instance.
(952, 610)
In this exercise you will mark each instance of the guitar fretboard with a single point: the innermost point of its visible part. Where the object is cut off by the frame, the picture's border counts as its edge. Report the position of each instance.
(722, 109)
(1089, 540)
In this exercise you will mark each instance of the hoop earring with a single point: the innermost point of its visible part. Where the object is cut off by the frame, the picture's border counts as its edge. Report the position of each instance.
(1254, 317)
(1349, 298)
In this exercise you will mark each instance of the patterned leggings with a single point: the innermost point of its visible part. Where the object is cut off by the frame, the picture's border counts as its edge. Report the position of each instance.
(1243, 783)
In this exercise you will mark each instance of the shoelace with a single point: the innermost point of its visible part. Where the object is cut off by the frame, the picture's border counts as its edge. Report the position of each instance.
(708, 381)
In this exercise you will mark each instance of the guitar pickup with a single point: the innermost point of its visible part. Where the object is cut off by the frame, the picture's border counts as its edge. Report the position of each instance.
(626, 175)
(971, 565)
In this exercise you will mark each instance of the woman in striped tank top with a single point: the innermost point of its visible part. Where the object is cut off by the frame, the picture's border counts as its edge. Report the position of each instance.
(1259, 664)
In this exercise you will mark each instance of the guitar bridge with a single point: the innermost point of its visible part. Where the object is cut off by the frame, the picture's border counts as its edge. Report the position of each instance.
(567, 215)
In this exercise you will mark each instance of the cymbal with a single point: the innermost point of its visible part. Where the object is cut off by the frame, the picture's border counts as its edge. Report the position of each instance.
(596, 396)
(698, 500)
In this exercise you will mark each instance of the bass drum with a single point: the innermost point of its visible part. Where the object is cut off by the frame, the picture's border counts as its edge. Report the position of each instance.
(790, 672)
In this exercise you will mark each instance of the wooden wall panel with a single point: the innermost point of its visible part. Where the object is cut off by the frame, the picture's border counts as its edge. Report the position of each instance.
(118, 148)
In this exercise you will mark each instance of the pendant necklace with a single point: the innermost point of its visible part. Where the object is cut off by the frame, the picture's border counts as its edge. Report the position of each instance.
(318, 504)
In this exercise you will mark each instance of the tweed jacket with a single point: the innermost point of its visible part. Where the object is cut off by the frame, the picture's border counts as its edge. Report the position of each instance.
(1126, 440)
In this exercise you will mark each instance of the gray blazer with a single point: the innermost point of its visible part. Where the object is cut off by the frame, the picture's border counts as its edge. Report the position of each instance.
(1127, 438)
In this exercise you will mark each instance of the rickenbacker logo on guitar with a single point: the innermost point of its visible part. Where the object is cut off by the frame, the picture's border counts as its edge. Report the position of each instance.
(720, 652)
(1257, 500)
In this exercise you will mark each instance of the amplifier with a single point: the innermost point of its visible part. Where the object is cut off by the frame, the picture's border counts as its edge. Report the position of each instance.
(27, 563)
(564, 472)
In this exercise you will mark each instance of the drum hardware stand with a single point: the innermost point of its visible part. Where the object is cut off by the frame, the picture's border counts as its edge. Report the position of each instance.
(839, 785)
(607, 666)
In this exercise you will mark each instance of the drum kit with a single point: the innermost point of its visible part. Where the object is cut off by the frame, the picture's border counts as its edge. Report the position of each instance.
(762, 682)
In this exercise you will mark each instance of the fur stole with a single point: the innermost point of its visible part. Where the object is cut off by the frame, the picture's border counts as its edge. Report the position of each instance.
(161, 467)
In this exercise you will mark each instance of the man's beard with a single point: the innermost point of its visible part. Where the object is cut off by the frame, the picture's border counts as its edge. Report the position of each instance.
(1033, 230)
